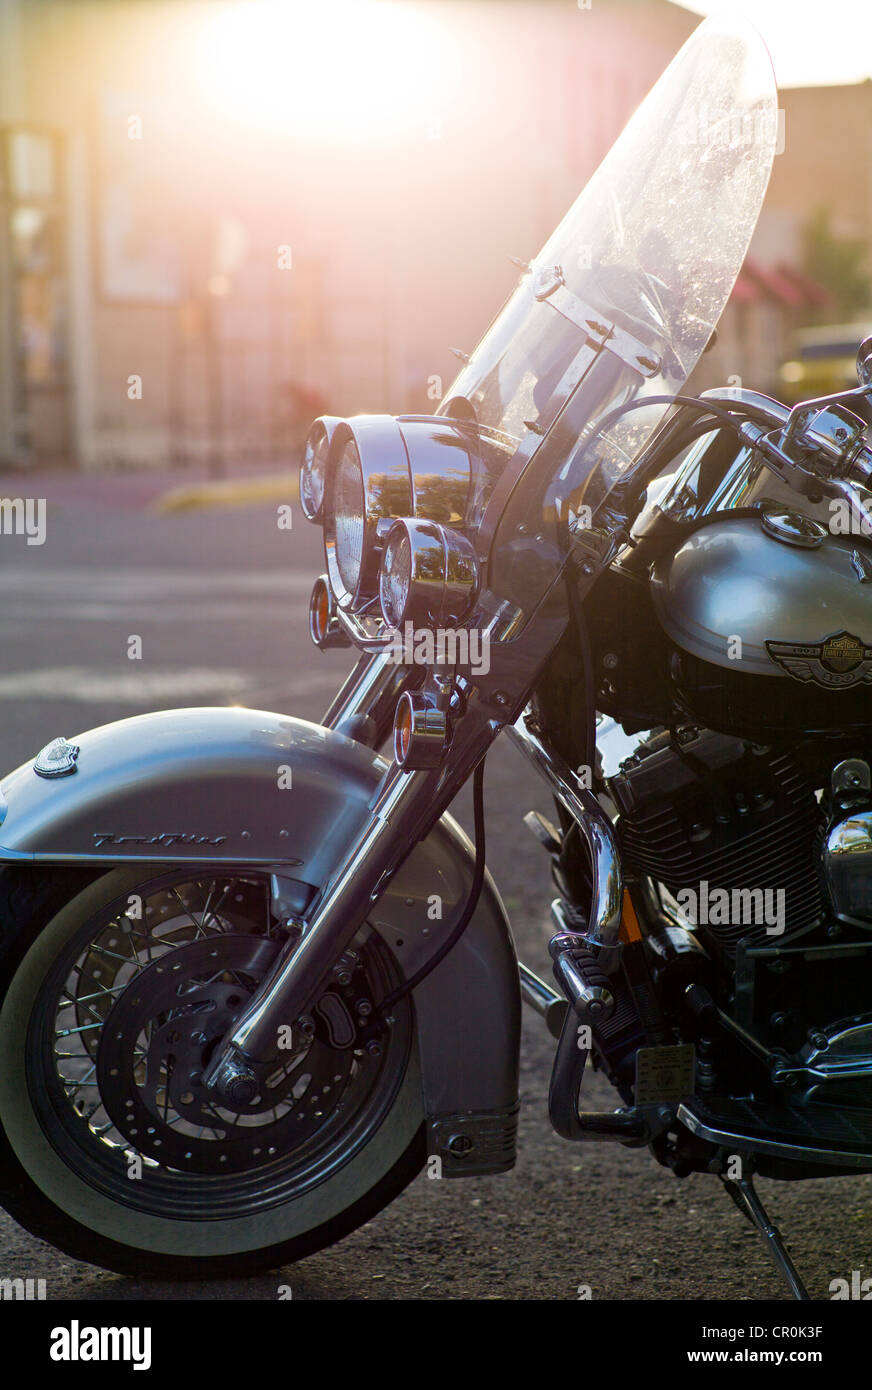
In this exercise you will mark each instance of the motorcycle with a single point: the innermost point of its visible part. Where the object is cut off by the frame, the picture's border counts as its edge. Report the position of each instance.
(254, 977)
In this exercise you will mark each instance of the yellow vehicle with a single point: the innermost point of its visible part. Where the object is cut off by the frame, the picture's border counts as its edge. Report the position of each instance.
(825, 361)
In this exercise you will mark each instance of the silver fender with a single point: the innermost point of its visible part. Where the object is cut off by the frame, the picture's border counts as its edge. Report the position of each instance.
(204, 786)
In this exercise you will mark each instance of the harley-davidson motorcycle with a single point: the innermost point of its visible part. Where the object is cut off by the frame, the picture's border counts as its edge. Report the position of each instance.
(254, 978)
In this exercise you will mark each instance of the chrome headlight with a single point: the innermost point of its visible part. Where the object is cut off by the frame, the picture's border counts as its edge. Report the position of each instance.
(348, 518)
(313, 468)
(380, 469)
(368, 485)
(428, 575)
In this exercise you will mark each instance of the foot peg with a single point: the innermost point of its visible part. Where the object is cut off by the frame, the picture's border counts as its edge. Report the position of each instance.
(547, 834)
(585, 985)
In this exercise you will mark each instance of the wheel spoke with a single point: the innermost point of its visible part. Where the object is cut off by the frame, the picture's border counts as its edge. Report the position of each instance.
(170, 997)
(82, 1028)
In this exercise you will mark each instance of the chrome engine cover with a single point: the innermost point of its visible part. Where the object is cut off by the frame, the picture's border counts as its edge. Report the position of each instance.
(847, 858)
(835, 1064)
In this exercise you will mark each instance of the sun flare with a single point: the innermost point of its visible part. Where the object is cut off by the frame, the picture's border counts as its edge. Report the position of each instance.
(346, 69)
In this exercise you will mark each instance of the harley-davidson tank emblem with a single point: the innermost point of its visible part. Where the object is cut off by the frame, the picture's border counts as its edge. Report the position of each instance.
(835, 663)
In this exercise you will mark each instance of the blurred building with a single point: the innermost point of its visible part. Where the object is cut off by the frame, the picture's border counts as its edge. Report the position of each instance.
(146, 318)
(825, 163)
(204, 242)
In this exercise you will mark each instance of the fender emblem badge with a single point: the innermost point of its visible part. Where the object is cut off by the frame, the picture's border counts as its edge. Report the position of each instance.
(166, 839)
(56, 759)
(836, 662)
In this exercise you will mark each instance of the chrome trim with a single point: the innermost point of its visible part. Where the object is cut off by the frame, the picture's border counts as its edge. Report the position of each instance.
(850, 490)
(755, 399)
(543, 1000)
(792, 527)
(592, 1003)
(386, 493)
(604, 925)
(798, 1153)
(842, 1052)
(862, 566)
(371, 693)
(331, 634)
(56, 759)
(358, 882)
(444, 577)
(614, 746)
(420, 732)
(847, 866)
(321, 431)
(363, 640)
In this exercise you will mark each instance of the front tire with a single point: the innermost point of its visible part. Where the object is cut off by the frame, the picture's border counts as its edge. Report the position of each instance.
(347, 1119)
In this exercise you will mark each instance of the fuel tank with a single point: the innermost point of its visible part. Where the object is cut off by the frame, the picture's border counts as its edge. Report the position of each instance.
(771, 619)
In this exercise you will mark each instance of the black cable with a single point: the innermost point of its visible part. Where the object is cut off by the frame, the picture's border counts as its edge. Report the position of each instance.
(692, 402)
(471, 902)
(582, 633)
(635, 477)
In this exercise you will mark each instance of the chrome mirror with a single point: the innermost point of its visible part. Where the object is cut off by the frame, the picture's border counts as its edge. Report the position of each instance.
(864, 363)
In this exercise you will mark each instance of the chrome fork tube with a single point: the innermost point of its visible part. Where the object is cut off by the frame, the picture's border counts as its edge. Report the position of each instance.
(344, 701)
(403, 810)
(366, 703)
(358, 882)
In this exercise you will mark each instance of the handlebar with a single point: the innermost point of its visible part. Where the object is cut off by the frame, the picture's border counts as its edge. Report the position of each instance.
(820, 449)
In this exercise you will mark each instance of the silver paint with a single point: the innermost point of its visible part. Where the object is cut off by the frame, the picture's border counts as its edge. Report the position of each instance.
(730, 579)
(215, 769)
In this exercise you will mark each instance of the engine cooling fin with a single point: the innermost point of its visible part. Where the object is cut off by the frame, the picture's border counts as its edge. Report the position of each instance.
(717, 811)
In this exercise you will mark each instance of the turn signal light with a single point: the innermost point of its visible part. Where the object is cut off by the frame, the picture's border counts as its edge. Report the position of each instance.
(420, 733)
(325, 629)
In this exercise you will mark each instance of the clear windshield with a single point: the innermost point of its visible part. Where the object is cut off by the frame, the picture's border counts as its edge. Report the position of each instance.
(648, 254)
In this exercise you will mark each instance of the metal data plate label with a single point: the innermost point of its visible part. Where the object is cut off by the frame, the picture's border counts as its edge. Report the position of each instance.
(664, 1073)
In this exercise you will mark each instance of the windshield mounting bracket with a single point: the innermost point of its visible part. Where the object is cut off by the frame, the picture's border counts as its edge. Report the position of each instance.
(550, 287)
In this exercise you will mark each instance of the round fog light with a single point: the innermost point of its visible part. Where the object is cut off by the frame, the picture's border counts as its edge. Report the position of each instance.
(428, 575)
(313, 468)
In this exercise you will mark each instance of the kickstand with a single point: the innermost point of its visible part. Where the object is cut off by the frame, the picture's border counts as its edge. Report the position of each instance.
(745, 1196)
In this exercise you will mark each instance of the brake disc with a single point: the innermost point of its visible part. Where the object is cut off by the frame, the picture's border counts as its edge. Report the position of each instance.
(160, 1035)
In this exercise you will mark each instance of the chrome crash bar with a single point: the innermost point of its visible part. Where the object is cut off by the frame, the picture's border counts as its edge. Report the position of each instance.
(602, 932)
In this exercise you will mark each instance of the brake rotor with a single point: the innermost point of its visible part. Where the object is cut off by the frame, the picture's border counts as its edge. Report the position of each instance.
(160, 1035)
(173, 915)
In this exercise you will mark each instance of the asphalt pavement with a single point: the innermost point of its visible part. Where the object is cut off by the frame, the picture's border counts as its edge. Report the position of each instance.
(219, 600)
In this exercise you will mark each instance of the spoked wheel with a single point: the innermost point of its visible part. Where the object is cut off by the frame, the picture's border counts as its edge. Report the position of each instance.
(113, 1148)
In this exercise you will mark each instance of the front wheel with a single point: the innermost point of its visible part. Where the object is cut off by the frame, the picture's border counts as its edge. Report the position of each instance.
(114, 998)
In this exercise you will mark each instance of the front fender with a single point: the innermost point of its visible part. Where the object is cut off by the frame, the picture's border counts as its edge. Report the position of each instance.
(245, 787)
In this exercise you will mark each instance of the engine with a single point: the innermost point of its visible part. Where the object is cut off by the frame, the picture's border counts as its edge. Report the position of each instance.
(774, 879)
(717, 819)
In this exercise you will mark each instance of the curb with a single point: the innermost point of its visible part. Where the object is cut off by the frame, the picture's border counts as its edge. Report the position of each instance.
(230, 492)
